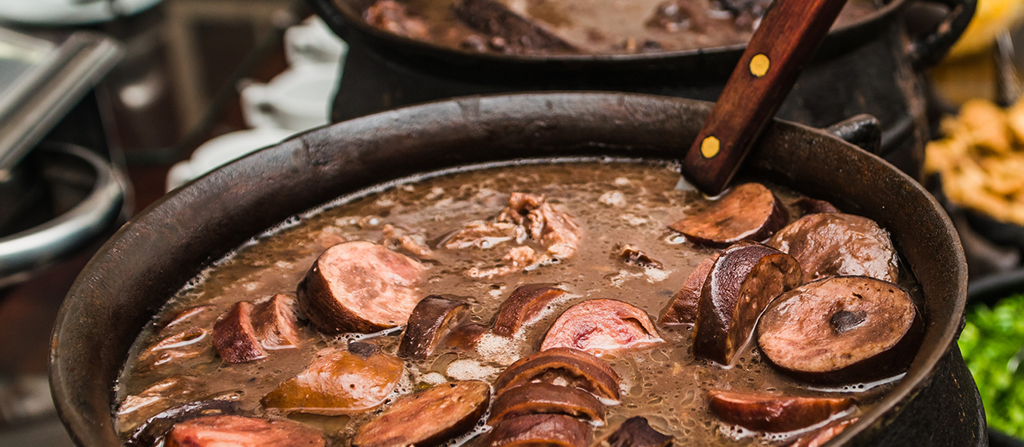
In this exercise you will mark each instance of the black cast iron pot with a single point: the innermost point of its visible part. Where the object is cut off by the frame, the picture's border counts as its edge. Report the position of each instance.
(156, 253)
(871, 66)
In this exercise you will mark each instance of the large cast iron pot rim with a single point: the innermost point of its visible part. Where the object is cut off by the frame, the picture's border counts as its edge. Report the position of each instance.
(108, 281)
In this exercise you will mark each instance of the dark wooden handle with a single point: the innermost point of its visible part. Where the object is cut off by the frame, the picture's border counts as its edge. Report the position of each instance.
(788, 34)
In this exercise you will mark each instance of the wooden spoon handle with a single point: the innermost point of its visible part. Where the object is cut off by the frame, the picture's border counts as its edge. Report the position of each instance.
(789, 32)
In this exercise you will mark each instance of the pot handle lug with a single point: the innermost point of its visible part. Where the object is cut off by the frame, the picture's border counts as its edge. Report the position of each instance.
(27, 250)
(929, 49)
(333, 17)
(863, 131)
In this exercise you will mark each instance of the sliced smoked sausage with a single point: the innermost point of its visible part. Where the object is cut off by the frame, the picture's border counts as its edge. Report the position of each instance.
(682, 308)
(599, 326)
(429, 322)
(579, 368)
(540, 397)
(837, 244)
(523, 306)
(275, 322)
(742, 282)
(246, 331)
(842, 329)
(764, 412)
(234, 336)
(427, 418)
(636, 432)
(360, 287)
(339, 381)
(746, 212)
(554, 430)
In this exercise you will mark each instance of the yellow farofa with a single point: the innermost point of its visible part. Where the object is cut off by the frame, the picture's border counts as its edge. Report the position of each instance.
(981, 159)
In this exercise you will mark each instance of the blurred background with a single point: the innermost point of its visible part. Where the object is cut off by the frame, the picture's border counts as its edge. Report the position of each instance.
(105, 105)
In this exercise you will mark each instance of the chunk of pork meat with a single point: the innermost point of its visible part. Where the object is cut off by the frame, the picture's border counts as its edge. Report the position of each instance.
(397, 239)
(526, 217)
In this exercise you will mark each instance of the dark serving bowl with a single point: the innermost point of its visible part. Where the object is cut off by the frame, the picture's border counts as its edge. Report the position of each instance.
(155, 254)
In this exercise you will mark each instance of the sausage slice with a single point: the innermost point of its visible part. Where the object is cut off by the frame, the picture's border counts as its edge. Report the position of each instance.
(579, 368)
(234, 336)
(682, 308)
(770, 413)
(246, 331)
(429, 322)
(359, 287)
(837, 244)
(742, 282)
(464, 337)
(275, 323)
(636, 432)
(522, 306)
(851, 328)
(339, 381)
(222, 430)
(554, 430)
(427, 418)
(540, 397)
(598, 326)
(747, 212)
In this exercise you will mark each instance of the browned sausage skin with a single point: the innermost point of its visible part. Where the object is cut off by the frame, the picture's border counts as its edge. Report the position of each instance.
(234, 336)
(842, 329)
(837, 244)
(556, 430)
(682, 308)
(427, 418)
(746, 212)
(429, 323)
(636, 432)
(579, 368)
(599, 326)
(360, 287)
(742, 282)
(523, 305)
(276, 322)
(535, 398)
(770, 413)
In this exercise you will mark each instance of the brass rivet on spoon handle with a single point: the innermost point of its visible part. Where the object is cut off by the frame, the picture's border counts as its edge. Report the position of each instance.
(787, 36)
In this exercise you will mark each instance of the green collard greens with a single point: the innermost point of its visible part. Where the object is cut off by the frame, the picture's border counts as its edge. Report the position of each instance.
(992, 342)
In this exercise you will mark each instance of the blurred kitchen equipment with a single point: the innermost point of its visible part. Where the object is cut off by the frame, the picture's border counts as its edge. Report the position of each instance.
(69, 12)
(295, 100)
(41, 81)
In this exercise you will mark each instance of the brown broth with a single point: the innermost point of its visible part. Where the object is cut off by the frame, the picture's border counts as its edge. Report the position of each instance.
(613, 202)
(608, 26)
